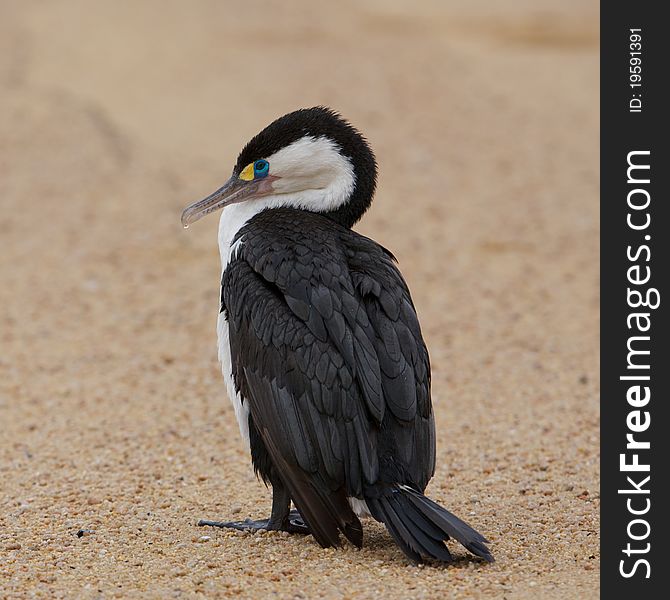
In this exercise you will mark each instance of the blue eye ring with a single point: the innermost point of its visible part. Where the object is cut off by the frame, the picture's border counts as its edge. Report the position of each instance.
(261, 168)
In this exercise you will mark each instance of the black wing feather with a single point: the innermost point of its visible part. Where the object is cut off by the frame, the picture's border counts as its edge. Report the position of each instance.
(327, 351)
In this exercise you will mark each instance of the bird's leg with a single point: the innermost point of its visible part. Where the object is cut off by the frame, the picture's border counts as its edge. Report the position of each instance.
(281, 518)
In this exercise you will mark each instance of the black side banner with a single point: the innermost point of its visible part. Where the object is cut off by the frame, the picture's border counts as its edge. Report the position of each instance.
(635, 262)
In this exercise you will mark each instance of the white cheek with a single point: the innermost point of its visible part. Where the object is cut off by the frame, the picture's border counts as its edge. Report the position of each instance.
(300, 181)
(312, 174)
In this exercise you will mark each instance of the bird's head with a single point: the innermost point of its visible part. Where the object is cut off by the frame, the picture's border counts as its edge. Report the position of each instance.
(310, 159)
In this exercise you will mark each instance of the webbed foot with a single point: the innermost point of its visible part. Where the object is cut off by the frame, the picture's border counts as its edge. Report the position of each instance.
(293, 524)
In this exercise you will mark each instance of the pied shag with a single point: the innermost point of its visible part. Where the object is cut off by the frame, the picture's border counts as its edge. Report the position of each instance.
(320, 344)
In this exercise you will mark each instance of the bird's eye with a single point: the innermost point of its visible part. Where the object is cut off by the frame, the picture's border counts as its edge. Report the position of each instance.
(261, 168)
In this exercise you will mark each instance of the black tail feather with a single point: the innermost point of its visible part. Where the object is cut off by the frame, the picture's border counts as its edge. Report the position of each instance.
(398, 531)
(425, 541)
(420, 526)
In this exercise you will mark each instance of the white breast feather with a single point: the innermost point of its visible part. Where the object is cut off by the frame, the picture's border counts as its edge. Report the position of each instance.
(313, 175)
(232, 219)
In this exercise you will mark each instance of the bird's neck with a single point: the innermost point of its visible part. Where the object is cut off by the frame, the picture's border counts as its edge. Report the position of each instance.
(235, 216)
(232, 219)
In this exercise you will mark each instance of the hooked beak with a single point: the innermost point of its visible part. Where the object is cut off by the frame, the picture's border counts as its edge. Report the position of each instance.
(233, 191)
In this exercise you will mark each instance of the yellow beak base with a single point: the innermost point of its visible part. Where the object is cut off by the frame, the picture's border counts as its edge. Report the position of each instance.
(247, 173)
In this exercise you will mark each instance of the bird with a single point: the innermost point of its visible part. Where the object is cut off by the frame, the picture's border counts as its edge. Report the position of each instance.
(320, 344)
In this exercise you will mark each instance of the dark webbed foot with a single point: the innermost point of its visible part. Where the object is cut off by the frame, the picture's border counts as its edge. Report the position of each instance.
(292, 524)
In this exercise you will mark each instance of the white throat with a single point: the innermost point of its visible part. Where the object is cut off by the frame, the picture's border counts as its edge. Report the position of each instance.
(233, 218)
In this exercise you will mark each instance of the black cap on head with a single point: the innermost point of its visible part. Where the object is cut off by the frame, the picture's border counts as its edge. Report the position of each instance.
(320, 122)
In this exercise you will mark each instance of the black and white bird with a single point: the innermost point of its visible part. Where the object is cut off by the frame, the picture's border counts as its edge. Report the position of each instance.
(320, 344)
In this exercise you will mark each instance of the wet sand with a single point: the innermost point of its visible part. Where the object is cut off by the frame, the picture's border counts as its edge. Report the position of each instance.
(113, 416)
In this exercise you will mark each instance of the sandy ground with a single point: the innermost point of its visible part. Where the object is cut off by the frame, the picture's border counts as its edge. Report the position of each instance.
(113, 415)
